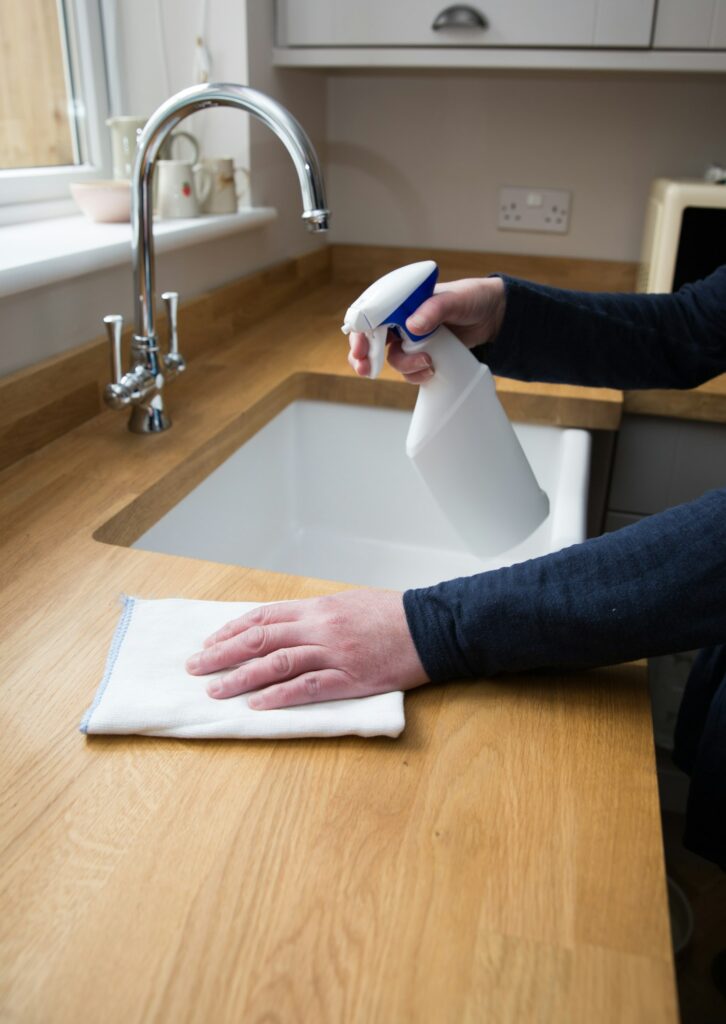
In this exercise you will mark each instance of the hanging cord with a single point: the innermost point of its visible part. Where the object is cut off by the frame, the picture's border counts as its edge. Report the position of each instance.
(202, 57)
(162, 48)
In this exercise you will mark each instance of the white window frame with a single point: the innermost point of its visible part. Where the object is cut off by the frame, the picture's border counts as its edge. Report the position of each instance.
(33, 193)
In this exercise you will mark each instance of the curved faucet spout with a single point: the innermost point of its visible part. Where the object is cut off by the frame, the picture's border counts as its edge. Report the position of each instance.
(140, 387)
(158, 127)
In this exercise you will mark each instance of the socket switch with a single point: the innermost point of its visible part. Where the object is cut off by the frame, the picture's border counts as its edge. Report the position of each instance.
(534, 209)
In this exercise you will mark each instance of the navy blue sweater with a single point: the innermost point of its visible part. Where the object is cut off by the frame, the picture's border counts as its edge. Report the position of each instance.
(656, 587)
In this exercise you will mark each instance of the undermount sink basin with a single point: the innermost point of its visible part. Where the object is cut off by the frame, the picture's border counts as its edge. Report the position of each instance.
(325, 489)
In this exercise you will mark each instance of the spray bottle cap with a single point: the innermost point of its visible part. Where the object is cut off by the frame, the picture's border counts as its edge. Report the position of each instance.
(388, 303)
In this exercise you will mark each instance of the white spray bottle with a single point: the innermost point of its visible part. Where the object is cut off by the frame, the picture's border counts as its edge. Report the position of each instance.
(460, 439)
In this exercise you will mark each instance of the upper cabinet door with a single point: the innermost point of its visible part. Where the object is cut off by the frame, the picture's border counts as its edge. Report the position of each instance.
(696, 25)
(483, 23)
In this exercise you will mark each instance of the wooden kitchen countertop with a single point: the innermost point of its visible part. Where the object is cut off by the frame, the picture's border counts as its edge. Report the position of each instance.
(706, 403)
(502, 860)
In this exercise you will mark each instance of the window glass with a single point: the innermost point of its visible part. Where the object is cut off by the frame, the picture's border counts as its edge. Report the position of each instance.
(37, 127)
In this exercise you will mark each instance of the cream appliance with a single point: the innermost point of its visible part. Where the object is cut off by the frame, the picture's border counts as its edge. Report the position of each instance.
(685, 233)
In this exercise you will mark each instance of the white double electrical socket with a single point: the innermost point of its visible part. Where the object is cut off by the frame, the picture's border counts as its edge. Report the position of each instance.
(534, 209)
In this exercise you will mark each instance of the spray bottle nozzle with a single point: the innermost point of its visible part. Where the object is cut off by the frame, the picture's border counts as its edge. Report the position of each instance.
(388, 303)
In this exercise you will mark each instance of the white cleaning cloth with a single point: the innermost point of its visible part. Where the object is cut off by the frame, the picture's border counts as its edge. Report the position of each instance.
(146, 689)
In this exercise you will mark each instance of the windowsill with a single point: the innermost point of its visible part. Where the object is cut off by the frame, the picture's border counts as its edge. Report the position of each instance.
(44, 252)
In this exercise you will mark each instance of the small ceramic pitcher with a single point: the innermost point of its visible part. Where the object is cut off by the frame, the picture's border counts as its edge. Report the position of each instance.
(222, 196)
(125, 132)
(179, 194)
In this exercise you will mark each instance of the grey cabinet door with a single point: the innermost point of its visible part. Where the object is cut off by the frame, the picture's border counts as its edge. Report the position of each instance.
(696, 25)
(513, 23)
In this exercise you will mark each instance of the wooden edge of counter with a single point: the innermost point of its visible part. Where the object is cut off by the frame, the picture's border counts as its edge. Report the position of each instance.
(706, 403)
(362, 264)
(46, 400)
(561, 405)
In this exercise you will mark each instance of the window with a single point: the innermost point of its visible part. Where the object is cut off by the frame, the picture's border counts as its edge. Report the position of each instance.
(38, 129)
(53, 102)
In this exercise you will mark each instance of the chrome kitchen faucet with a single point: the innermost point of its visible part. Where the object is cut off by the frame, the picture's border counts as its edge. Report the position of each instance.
(141, 385)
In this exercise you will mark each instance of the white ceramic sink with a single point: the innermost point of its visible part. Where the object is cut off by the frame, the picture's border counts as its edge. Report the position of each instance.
(326, 489)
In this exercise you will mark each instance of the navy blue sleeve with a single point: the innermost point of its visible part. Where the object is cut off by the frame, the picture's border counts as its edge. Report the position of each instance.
(611, 340)
(655, 587)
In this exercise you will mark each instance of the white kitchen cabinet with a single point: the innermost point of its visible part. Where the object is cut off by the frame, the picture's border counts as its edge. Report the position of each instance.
(587, 35)
(696, 25)
(487, 23)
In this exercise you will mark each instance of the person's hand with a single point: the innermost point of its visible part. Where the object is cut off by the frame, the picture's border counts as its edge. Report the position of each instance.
(472, 308)
(351, 644)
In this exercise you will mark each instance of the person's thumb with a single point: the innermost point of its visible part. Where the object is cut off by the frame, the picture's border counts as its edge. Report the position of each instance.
(434, 312)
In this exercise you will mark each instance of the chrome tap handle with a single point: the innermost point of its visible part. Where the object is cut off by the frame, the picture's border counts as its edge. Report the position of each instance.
(136, 387)
(171, 301)
(117, 393)
(114, 328)
(173, 360)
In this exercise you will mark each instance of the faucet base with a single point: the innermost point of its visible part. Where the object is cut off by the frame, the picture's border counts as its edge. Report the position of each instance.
(149, 419)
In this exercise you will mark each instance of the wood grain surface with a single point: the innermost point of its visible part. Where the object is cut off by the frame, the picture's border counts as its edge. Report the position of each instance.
(42, 402)
(361, 264)
(501, 861)
(706, 403)
(34, 99)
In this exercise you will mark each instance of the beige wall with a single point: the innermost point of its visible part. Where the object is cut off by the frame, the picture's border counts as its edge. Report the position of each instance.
(417, 159)
(273, 176)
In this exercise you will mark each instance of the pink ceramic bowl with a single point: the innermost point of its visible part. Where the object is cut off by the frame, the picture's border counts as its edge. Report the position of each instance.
(104, 201)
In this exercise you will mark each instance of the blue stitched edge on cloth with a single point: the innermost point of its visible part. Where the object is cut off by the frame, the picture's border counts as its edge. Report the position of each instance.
(118, 639)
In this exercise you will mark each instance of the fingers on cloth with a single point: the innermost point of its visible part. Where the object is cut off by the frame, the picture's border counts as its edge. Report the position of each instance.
(326, 684)
(253, 640)
(265, 614)
(305, 663)
(285, 677)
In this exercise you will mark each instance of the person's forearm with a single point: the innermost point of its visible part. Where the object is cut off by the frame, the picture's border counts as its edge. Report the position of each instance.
(656, 587)
(611, 340)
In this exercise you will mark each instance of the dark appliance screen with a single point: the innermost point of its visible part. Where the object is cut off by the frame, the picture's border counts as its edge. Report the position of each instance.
(702, 245)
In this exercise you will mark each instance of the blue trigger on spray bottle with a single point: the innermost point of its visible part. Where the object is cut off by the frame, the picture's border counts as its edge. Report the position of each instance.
(418, 296)
(459, 439)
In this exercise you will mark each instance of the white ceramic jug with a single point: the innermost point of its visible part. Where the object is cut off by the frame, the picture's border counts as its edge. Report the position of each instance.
(180, 191)
(125, 131)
